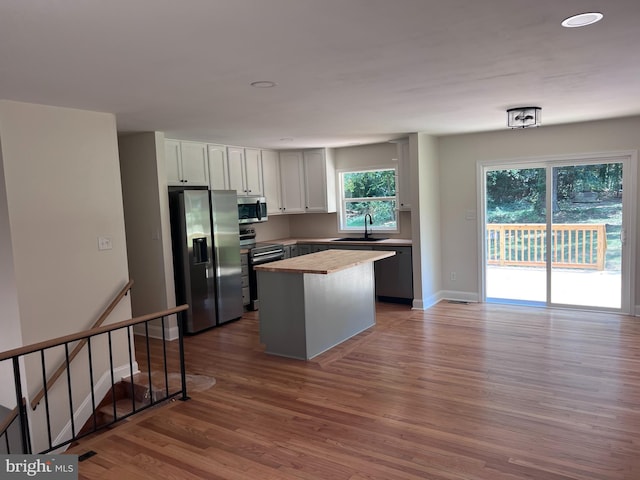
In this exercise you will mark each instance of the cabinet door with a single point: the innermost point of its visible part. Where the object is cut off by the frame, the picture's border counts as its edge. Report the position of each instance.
(394, 275)
(292, 179)
(320, 190)
(404, 177)
(172, 159)
(195, 167)
(304, 249)
(271, 180)
(218, 169)
(253, 171)
(315, 177)
(235, 159)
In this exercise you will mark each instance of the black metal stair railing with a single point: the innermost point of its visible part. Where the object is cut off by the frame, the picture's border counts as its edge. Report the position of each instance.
(104, 347)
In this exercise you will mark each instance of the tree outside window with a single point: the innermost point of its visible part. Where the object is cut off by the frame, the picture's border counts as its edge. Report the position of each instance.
(368, 192)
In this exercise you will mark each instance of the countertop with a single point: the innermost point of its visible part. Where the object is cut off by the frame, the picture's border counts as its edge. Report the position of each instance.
(325, 262)
(393, 242)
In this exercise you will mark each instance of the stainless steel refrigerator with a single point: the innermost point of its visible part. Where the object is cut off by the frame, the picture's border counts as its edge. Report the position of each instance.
(206, 256)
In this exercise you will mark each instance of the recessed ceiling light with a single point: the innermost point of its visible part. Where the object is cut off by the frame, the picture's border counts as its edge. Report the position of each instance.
(263, 84)
(286, 139)
(582, 20)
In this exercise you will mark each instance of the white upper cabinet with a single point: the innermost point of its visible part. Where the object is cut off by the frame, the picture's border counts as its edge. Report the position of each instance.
(320, 184)
(292, 182)
(245, 170)
(187, 163)
(271, 180)
(253, 171)
(218, 167)
(172, 158)
(235, 157)
(404, 176)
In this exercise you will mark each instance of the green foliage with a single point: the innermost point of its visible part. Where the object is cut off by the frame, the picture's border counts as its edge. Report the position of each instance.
(604, 178)
(383, 213)
(375, 183)
(520, 189)
(529, 184)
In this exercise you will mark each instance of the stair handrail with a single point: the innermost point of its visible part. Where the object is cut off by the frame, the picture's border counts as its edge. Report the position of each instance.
(73, 337)
(63, 365)
(11, 416)
(15, 354)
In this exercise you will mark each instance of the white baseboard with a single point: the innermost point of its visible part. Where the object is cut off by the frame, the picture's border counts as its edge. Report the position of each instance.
(636, 311)
(459, 296)
(155, 331)
(424, 304)
(444, 295)
(84, 411)
(417, 304)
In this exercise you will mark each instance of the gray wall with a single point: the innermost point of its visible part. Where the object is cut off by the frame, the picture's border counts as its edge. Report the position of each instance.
(459, 155)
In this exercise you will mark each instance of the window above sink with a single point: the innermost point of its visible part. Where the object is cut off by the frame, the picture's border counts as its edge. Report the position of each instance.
(367, 192)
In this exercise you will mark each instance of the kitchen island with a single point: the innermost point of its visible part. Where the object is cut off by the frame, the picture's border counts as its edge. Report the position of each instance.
(312, 303)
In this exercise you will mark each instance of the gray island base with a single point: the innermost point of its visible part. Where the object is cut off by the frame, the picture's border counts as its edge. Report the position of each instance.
(312, 303)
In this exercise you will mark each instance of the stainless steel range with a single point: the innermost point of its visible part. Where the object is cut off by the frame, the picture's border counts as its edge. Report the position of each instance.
(259, 254)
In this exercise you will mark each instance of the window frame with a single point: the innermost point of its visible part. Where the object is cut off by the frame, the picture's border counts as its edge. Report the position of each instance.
(342, 201)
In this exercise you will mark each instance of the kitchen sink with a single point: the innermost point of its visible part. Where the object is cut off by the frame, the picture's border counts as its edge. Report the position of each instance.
(358, 239)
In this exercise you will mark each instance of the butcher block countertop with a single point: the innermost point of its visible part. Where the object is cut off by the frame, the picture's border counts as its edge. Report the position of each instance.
(325, 262)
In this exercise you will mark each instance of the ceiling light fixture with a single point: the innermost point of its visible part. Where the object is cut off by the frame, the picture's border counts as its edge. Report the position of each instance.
(263, 84)
(582, 20)
(524, 117)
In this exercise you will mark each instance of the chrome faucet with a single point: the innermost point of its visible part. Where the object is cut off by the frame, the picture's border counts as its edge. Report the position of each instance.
(366, 234)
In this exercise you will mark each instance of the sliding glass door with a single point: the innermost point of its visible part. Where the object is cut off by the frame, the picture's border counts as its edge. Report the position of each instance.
(586, 241)
(554, 234)
(516, 246)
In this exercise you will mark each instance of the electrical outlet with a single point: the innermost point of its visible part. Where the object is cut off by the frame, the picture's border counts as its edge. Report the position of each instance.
(453, 276)
(104, 243)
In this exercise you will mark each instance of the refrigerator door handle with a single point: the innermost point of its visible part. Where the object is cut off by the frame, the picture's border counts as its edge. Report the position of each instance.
(200, 250)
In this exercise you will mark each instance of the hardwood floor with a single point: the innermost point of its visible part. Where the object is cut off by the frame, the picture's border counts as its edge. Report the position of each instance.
(470, 392)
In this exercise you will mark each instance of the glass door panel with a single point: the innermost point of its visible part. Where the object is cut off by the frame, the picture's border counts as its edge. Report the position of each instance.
(516, 246)
(586, 250)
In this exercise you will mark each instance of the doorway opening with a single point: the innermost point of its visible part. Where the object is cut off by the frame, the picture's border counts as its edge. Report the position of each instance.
(557, 232)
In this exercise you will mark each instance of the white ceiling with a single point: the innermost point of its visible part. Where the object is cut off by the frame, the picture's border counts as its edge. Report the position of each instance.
(347, 71)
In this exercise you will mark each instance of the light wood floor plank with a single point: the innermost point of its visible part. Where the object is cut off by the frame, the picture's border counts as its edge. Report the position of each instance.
(473, 392)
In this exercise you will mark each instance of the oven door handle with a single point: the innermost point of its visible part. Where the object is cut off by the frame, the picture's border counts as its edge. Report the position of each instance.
(266, 257)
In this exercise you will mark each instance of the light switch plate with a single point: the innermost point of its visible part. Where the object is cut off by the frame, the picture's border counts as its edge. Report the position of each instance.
(104, 243)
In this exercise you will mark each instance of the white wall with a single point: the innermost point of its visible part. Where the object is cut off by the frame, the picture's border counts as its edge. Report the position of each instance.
(63, 191)
(425, 212)
(459, 155)
(276, 226)
(9, 311)
(362, 156)
(319, 225)
(148, 235)
(140, 196)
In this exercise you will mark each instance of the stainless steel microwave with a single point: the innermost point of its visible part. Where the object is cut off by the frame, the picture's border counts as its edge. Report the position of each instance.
(252, 209)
